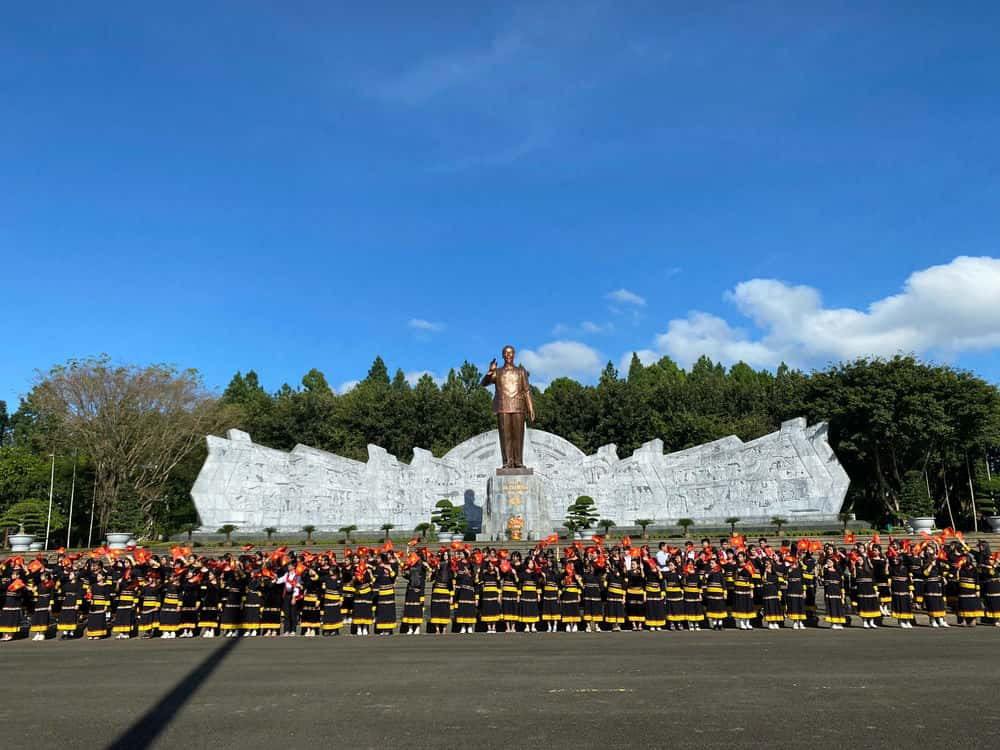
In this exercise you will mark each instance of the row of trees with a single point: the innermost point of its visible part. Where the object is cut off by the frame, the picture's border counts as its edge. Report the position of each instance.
(907, 432)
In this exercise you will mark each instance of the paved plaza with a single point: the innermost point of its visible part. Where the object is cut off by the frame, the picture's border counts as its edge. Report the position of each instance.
(815, 688)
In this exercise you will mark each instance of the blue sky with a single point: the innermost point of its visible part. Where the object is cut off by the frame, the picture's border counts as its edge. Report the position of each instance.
(282, 186)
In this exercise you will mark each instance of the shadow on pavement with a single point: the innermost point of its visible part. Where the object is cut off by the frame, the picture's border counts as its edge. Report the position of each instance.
(149, 725)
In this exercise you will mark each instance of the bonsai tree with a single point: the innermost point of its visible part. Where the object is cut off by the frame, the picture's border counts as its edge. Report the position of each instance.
(386, 528)
(347, 531)
(732, 521)
(423, 529)
(450, 517)
(309, 529)
(914, 501)
(582, 512)
(189, 529)
(444, 514)
(270, 530)
(570, 526)
(604, 524)
(643, 523)
(29, 516)
(227, 529)
(685, 523)
(778, 522)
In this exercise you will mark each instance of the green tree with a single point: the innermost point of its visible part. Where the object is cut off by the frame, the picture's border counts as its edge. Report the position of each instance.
(686, 524)
(309, 529)
(643, 523)
(270, 531)
(732, 521)
(605, 525)
(347, 531)
(32, 516)
(777, 522)
(227, 529)
(582, 512)
(423, 529)
(386, 528)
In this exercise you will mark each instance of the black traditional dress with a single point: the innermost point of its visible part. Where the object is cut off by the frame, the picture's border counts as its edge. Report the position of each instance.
(694, 611)
(99, 598)
(866, 595)
(656, 610)
(385, 606)
(170, 612)
(310, 616)
(208, 613)
(489, 596)
(441, 594)
(41, 616)
(770, 585)
(715, 595)
(593, 607)
(232, 602)
(743, 606)
(635, 597)
(674, 597)
(795, 593)
(413, 602)
(970, 606)
(128, 600)
(13, 608)
(833, 594)
(933, 578)
(149, 606)
(569, 600)
(69, 612)
(989, 583)
(551, 611)
(362, 615)
(614, 605)
(273, 597)
(465, 597)
(332, 583)
(901, 603)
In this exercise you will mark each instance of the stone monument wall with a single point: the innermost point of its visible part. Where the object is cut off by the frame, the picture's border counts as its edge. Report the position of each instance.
(792, 473)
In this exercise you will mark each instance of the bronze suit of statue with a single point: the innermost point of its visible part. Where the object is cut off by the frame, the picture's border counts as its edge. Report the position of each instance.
(511, 403)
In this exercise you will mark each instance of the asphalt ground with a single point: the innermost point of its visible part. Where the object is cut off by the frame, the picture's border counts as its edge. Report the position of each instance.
(816, 688)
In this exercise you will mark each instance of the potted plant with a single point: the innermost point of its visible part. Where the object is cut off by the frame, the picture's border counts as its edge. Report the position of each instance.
(915, 504)
(28, 517)
(583, 513)
(125, 515)
(450, 520)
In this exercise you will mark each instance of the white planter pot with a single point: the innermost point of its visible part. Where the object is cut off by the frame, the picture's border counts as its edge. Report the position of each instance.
(21, 542)
(35, 546)
(994, 523)
(922, 524)
(118, 541)
(445, 537)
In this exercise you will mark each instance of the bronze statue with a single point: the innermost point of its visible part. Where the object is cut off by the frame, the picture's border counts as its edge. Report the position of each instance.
(511, 402)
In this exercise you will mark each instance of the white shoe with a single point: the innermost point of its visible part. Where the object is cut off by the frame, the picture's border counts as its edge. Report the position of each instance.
(934, 624)
(944, 623)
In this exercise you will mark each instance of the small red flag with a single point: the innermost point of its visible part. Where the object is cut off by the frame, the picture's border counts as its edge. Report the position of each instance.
(552, 539)
(626, 542)
(876, 539)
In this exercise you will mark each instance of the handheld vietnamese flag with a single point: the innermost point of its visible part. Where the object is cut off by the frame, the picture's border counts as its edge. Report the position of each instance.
(597, 539)
(851, 539)
(876, 539)
(626, 542)
(552, 539)
(247, 547)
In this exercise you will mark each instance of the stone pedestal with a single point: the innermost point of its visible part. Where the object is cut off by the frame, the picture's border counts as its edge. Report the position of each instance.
(514, 494)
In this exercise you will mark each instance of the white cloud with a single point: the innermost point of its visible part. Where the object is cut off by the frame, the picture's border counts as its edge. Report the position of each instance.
(347, 386)
(626, 297)
(562, 359)
(646, 356)
(587, 327)
(414, 376)
(945, 309)
(426, 326)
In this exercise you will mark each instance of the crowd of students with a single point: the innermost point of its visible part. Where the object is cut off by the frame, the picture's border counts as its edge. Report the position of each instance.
(135, 593)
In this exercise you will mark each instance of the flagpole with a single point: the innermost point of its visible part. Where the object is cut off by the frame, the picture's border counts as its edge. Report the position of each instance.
(52, 482)
(72, 494)
(93, 506)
